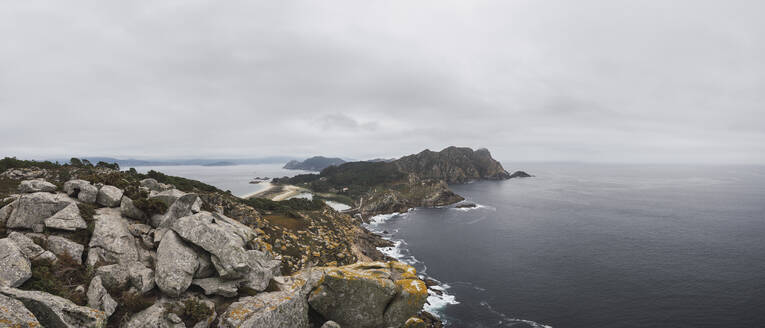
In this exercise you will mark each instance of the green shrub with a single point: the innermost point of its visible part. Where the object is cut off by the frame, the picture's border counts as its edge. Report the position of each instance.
(195, 310)
(182, 184)
(284, 206)
(86, 211)
(150, 206)
(60, 279)
(13, 163)
(113, 166)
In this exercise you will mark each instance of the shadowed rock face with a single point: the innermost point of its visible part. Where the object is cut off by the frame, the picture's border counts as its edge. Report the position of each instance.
(14, 314)
(454, 165)
(54, 311)
(369, 294)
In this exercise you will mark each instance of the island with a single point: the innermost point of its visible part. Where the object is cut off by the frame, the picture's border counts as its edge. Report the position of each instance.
(316, 163)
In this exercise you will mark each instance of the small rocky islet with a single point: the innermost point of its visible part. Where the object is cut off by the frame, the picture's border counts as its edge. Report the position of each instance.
(92, 246)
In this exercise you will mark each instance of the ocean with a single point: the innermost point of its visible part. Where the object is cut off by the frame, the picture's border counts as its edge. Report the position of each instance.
(581, 245)
(584, 245)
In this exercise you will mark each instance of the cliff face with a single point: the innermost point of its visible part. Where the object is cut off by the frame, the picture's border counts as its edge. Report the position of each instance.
(415, 192)
(453, 165)
(316, 163)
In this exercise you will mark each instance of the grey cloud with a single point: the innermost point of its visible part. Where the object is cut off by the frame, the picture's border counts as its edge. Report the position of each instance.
(649, 81)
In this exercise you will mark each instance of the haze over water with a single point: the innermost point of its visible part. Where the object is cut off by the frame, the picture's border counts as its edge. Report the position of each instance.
(599, 246)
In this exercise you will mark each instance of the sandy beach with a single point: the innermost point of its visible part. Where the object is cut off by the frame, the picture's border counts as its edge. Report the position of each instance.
(276, 192)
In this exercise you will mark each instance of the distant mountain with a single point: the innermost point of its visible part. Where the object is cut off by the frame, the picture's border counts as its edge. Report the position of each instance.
(221, 163)
(127, 163)
(453, 165)
(316, 163)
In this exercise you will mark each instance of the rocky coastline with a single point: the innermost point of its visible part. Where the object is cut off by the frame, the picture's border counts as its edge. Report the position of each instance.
(97, 247)
(93, 246)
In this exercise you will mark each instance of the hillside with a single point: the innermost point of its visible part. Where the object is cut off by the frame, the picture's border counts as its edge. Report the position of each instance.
(316, 163)
(91, 246)
(419, 180)
(454, 165)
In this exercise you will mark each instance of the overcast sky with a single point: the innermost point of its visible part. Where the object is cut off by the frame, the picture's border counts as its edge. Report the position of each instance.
(602, 81)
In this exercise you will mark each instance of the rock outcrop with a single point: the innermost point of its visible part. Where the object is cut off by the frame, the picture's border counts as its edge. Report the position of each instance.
(37, 185)
(111, 241)
(82, 190)
(374, 294)
(150, 263)
(176, 264)
(129, 210)
(14, 314)
(54, 311)
(156, 316)
(222, 237)
(68, 218)
(454, 165)
(65, 247)
(15, 268)
(109, 196)
(99, 298)
(31, 210)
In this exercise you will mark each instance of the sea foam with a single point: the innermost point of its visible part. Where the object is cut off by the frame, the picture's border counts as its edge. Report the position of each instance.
(438, 297)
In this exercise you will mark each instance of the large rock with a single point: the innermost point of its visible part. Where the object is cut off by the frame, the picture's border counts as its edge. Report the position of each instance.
(30, 249)
(114, 276)
(15, 268)
(68, 218)
(37, 185)
(154, 185)
(283, 308)
(33, 209)
(155, 316)
(14, 314)
(109, 196)
(183, 206)
(111, 241)
(222, 237)
(411, 295)
(5, 211)
(263, 267)
(65, 247)
(25, 173)
(98, 297)
(26, 245)
(130, 210)
(168, 196)
(372, 294)
(54, 312)
(175, 266)
(218, 286)
(141, 277)
(83, 190)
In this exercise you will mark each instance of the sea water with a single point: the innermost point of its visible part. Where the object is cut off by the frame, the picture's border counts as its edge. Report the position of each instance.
(595, 246)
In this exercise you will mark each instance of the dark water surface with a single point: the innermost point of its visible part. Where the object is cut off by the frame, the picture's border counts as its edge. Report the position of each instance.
(599, 246)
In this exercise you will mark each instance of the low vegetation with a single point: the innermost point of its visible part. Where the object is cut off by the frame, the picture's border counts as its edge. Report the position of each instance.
(285, 206)
(182, 184)
(350, 179)
(60, 278)
(150, 206)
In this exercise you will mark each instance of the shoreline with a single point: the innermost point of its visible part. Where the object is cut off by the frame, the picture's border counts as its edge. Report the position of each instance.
(438, 296)
(276, 192)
